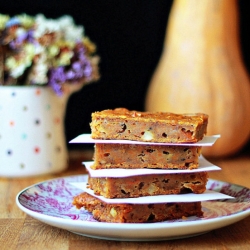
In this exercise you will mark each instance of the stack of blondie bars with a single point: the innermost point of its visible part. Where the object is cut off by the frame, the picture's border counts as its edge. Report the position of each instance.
(132, 140)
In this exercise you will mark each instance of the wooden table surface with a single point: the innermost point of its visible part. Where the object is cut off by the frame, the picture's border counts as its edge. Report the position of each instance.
(20, 231)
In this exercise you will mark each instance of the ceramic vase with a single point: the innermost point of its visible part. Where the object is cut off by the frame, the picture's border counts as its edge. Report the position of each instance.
(32, 138)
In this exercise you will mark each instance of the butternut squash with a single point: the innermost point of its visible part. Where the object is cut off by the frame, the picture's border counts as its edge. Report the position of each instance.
(201, 70)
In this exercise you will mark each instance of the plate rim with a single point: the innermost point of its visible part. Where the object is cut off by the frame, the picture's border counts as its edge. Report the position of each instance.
(88, 226)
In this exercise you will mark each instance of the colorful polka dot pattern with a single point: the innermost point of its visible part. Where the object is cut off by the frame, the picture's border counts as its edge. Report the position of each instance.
(31, 131)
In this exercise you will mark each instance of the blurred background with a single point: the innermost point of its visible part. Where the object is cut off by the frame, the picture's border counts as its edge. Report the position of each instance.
(129, 37)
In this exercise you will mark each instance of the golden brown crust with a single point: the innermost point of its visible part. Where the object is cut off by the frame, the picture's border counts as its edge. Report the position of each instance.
(131, 156)
(145, 126)
(148, 185)
(136, 213)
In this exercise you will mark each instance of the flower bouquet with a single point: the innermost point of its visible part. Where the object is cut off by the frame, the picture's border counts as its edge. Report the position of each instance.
(40, 51)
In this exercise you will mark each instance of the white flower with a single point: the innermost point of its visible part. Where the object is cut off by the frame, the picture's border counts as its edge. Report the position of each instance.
(70, 31)
(38, 74)
(45, 26)
(20, 31)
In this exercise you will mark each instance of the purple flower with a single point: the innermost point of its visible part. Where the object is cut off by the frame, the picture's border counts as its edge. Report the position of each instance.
(56, 78)
(26, 37)
(78, 70)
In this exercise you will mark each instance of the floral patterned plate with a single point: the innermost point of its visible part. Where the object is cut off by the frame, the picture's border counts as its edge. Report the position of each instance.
(51, 203)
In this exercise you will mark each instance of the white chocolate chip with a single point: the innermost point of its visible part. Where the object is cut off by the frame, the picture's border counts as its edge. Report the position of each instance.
(113, 212)
(152, 189)
(147, 136)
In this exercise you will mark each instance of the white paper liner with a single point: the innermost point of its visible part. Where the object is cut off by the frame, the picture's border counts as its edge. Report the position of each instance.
(204, 166)
(86, 138)
(207, 195)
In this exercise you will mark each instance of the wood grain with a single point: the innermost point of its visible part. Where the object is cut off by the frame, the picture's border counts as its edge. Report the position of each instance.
(20, 231)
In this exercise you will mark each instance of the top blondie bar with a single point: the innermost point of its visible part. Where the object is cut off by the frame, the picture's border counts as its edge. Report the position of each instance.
(124, 124)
